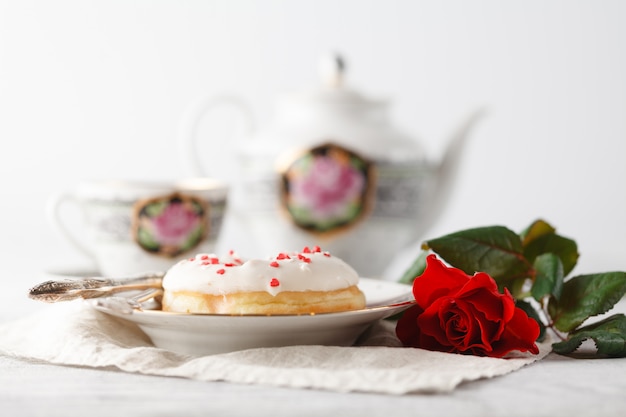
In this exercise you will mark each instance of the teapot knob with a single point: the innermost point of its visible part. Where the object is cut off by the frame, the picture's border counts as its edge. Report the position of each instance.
(331, 70)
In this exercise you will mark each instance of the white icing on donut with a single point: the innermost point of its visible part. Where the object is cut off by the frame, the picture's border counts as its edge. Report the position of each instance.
(309, 270)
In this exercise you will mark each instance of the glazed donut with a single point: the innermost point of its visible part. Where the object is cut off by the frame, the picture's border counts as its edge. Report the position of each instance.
(307, 282)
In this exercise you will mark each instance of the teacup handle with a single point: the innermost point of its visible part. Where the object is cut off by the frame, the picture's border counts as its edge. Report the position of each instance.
(196, 113)
(53, 214)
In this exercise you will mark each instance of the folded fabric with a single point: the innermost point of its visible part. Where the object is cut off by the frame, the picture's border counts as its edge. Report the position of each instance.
(75, 334)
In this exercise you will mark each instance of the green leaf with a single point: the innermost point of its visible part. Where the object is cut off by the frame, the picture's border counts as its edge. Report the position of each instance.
(566, 249)
(515, 287)
(416, 269)
(537, 229)
(584, 296)
(532, 313)
(609, 336)
(193, 239)
(495, 250)
(197, 208)
(155, 209)
(146, 240)
(549, 278)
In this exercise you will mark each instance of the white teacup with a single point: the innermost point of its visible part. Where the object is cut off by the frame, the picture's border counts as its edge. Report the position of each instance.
(129, 227)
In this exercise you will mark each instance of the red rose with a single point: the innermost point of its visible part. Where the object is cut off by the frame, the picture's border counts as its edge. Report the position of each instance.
(459, 313)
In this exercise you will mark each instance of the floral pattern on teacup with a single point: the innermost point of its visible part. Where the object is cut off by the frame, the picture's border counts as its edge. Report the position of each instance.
(327, 189)
(171, 225)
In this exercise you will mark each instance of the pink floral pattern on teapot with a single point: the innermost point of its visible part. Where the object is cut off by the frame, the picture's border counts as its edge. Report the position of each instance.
(327, 189)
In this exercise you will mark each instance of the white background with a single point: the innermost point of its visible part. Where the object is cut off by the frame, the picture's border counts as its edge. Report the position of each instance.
(96, 89)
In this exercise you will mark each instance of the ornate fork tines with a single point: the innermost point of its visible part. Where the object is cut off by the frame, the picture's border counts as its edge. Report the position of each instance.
(127, 305)
(91, 287)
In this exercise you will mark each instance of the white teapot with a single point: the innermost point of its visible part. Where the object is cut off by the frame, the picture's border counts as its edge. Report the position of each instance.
(333, 172)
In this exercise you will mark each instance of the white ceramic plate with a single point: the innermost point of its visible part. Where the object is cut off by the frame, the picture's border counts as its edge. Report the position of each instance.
(204, 334)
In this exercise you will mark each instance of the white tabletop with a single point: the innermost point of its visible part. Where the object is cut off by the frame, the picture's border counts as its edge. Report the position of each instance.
(556, 386)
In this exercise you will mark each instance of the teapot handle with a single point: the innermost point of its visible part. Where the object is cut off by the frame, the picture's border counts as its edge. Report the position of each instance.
(53, 215)
(188, 136)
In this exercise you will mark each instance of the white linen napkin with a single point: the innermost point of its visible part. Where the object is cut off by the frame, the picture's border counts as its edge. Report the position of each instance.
(75, 334)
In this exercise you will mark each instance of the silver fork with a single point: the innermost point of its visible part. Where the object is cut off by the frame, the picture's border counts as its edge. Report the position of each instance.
(92, 287)
(126, 305)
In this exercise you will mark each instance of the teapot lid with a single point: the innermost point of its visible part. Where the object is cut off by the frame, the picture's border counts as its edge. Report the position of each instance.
(332, 70)
(333, 90)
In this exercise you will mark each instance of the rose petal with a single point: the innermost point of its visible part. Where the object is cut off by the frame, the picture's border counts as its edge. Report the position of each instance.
(489, 303)
(407, 328)
(482, 292)
(520, 333)
(480, 330)
(460, 328)
(437, 281)
(481, 281)
(450, 327)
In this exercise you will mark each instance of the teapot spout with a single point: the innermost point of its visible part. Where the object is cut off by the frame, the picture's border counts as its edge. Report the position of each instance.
(447, 170)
